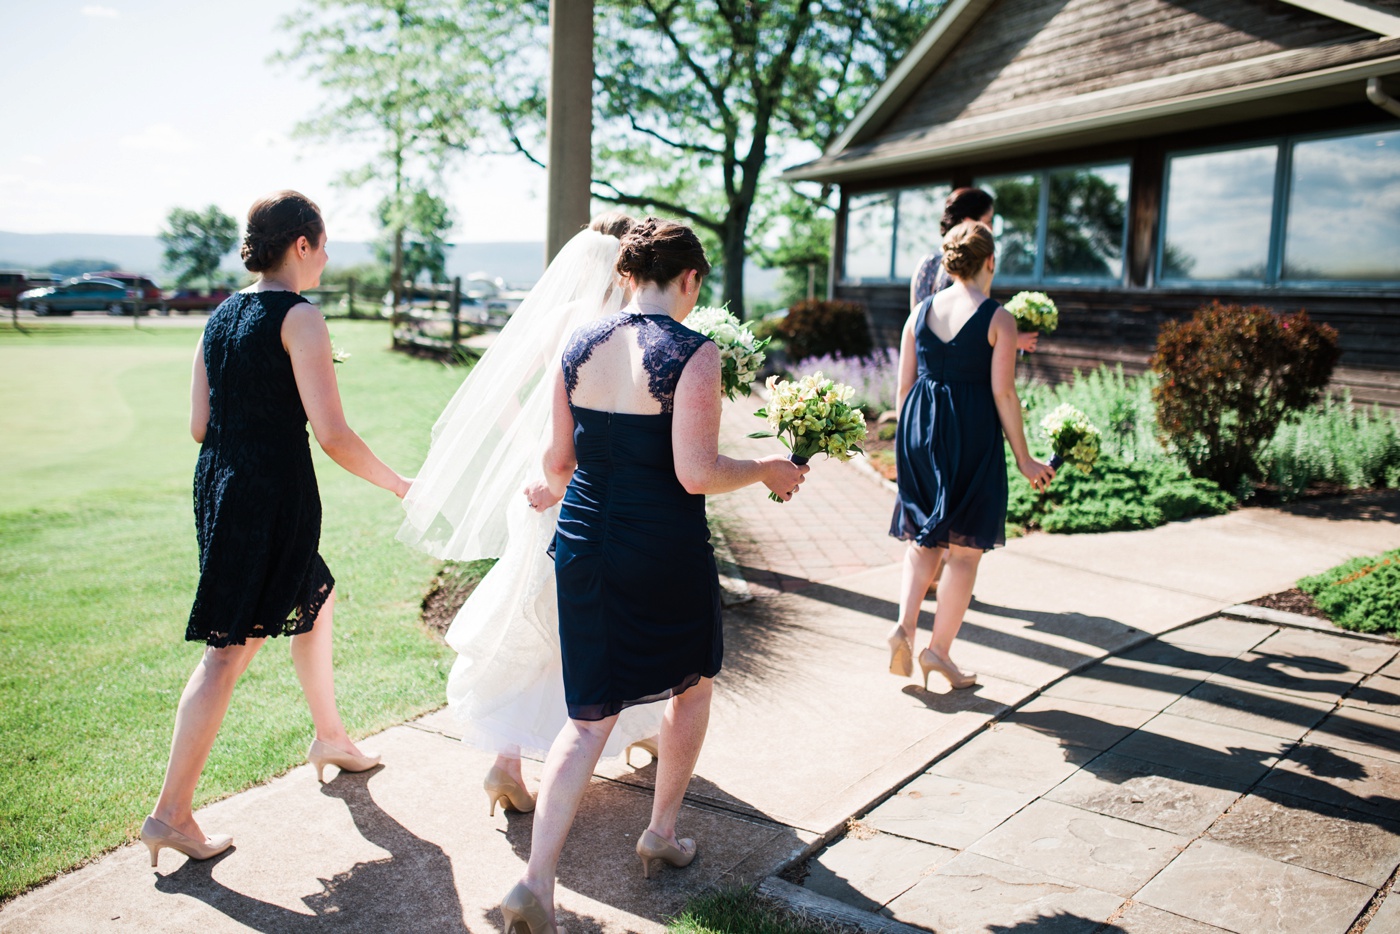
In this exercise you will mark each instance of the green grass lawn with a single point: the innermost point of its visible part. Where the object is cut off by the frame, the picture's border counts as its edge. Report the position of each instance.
(98, 566)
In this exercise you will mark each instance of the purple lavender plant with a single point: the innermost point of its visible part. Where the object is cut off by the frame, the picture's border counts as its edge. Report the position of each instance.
(874, 378)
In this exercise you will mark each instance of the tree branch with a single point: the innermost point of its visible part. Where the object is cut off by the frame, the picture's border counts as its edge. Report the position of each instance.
(636, 201)
(683, 50)
(676, 144)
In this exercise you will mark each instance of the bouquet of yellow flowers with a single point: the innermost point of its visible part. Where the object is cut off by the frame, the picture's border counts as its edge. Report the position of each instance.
(1073, 438)
(812, 416)
(740, 353)
(1034, 311)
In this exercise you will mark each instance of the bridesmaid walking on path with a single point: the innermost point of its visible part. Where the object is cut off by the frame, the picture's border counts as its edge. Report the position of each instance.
(262, 369)
(957, 395)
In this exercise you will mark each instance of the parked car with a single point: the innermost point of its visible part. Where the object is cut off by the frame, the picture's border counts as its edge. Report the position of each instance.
(81, 293)
(138, 285)
(187, 300)
(12, 283)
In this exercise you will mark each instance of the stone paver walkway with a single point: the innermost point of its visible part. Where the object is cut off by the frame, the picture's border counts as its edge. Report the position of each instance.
(808, 731)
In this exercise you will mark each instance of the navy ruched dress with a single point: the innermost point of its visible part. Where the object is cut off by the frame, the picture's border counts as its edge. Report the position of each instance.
(256, 506)
(639, 607)
(949, 451)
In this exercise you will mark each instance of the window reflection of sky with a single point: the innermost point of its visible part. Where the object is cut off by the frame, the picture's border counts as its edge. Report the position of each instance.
(869, 235)
(1219, 212)
(1344, 209)
(920, 211)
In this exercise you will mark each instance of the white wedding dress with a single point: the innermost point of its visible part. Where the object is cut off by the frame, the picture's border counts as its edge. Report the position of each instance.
(507, 684)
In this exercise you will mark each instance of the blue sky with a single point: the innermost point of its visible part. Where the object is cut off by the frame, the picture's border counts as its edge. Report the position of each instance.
(116, 111)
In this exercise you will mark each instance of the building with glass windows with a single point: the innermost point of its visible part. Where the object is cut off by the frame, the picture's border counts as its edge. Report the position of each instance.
(1147, 156)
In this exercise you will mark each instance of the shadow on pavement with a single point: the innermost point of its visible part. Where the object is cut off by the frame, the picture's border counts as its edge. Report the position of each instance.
(1380, 506)
(1060, 921)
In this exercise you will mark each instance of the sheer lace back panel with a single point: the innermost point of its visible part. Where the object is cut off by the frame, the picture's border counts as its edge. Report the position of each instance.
(628, 363)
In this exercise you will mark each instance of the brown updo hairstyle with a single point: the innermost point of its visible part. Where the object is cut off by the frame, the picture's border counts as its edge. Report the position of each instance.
(613, 223)
(658, 251)
(275, 222)
(965, 204)
(966, 248)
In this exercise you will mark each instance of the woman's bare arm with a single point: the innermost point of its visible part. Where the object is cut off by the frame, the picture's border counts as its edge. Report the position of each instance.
(199, 395)
(908, 360)
(308, 344)
(1002, 336)
(695, 438)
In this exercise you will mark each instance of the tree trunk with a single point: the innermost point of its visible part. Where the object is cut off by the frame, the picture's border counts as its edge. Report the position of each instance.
(396, 282)
(734, 249)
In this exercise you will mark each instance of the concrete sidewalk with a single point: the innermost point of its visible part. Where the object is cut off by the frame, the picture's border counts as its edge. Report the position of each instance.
(808, 731)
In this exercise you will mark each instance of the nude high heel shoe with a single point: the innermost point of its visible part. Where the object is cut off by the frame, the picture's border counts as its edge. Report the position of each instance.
(523, 913)
(507, 792)
(651, 846)
(156, 834)
(323, 754)
(931, 662)
(647, 745)
(901, 653)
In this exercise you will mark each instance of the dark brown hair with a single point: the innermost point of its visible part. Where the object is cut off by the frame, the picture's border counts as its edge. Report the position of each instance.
(613, 223)
(659, 251)
(965, 204)
(966, 247)
(275, 222)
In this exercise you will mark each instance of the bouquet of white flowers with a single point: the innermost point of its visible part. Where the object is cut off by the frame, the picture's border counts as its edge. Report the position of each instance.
(1034, 311)
(812, 416)
(1073, 438)
(338, 355)
(740, 353)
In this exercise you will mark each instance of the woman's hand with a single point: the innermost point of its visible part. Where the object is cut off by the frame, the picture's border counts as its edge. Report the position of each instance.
(1027, 340)
(1037, 473)
(782, 476)
(539, 495)
(401, 488)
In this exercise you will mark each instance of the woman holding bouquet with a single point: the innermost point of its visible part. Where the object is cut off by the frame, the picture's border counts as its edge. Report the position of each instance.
(957, 399)
(634, 450)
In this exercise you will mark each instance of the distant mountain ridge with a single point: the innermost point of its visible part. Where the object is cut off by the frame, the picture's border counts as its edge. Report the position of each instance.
(518, 262)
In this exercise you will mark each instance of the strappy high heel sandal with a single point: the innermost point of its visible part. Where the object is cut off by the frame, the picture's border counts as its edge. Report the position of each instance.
(323, 754)
(931, 662)
(650, 846)
(156, 834)
(507, 792)
(647, 745)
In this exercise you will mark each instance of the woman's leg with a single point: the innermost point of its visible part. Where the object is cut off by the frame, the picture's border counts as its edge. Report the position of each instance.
(311, 654)
(920, 565)
(567, 771)
(954, 594)
(682, 734)
(197, 720)
(509, 762)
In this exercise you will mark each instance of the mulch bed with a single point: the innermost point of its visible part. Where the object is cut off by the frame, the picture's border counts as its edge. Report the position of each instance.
(450, 589)
(1291, 601)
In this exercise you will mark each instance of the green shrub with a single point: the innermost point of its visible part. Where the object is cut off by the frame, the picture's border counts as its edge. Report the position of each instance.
(1229, 377)
(815, 328)
(1334, 442)
(1362, 594)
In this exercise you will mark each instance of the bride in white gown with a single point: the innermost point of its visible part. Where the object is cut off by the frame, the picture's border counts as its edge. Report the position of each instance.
(506, 687)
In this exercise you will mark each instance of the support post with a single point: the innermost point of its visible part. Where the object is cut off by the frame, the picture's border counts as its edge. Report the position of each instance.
(350, 297)
(456, 312)
(570, 118)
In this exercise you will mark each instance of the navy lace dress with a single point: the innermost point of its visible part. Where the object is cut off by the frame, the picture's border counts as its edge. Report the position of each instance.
(639, 610)
(949, 456)
(257, 510)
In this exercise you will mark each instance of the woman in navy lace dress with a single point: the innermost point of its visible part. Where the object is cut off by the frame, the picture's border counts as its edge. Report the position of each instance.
(957, 386)
(634, 450)
(262, 368)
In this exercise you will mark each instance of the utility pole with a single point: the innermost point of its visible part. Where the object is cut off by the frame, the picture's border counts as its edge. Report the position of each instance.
(570, 116)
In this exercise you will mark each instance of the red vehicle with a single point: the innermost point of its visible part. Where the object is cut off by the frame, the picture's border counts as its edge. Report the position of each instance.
(12, 282)
(187, 300)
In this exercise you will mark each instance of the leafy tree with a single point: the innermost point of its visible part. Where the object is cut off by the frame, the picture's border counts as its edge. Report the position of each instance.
(196, 242)
(695, 98)
(402, 75)
(797, 240)
(422, 228)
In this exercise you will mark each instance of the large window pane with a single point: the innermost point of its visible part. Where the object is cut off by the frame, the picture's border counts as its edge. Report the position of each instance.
(920, 211)
(869, 235)
(1017, 212)
(1088, 216)
(1219, 214)
(1344, 209)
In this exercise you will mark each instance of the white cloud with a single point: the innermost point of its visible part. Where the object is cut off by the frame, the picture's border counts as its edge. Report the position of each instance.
(159, 137)
(100, 12)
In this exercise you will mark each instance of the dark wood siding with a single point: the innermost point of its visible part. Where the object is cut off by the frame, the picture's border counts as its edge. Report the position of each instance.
(1120, 326)
(1024, 52)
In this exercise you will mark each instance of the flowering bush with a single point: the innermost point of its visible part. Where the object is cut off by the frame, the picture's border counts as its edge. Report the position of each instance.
(812, 416)
(1073, 438)
(874, 378)
(1033, 311)
(740, 353)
